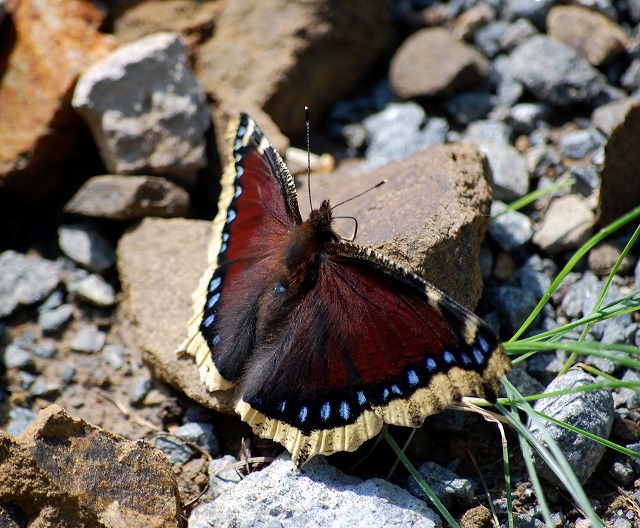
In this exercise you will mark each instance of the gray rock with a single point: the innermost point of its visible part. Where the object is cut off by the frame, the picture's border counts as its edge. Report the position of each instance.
(635, 461)
(129, 197)
(53, 301)
(511, 230)
(174, 449)
(68, 374)
(452, 490)
(46, 349)
(42, 388)
(567, 224)
(488, 131)
(88, 339)
(86, 246)
(320, 495)
(202, 434)
(536, 12)
(525, 117)
(526, 521)
(587, 179)
(520, 30)
(112, 355)
(527, 385)
(16, 357)
(578, 143)
(622, 472)
(542, 159)
(630, 79)
(25, 280)
(52, 320)
(469, 106)
(555, 73)
(143, 90)
(399, 130)
(513, 305)
(489, 38)
(94, 290)
(223, 475)
(535, 275)
(510, 174)
(142, 387)
(627, 397)
(588, 287)
(590, 411)
(19, 419)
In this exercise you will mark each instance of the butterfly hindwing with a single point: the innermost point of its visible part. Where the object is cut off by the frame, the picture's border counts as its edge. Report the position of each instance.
(374, 343)
(256, 210)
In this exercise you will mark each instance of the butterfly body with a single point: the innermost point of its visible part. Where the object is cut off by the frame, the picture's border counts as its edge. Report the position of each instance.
(323, 340)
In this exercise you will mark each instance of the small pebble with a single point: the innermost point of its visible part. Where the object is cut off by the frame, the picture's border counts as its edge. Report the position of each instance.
(202, 434)
(141, 388)
(88, 339)
(86, 246)
(16, 357)
(93, 289)
(44, 389)
(177, 451)
(511, 230)
(51, 321)
(452, 490)
(113, 356)
(46, 349)
(68, 374)
(19, 419)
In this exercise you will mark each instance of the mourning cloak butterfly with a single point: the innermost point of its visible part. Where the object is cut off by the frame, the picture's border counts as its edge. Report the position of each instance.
(323, 340)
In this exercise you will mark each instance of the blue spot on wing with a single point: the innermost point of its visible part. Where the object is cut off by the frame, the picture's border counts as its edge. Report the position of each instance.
(325, 411)
(396, 390)
(477, 355)
(431, 365)
(385, 394)
(448, 357)
(238, 191)
(361, 398)
(303, 414)
(213, 300)
(239, 171)
(231, 216)
(482, 343)
(214, 284)
(345, 412)
(412, 378)
(216, 339)
(282, 406)
(208, 321)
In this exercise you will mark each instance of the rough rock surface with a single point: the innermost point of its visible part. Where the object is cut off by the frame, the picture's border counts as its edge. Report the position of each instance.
(448, 67)
(65, 472)
(128, 198)
(319, 495)
(327, 45)
(39, 130)
(146, 89)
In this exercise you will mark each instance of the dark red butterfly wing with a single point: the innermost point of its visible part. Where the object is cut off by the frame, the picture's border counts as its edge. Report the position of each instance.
(369, 343)
(256, 210)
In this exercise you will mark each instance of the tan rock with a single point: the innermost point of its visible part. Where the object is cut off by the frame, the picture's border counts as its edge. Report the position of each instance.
(432, 63)
(55, 41)
(62, 472)
(128, 197)
(160, 263)
(263, 52)
(592, 34)
(566, 225)
(620, 176)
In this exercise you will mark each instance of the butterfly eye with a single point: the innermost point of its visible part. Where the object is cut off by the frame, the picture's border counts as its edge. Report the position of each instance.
(279, 289)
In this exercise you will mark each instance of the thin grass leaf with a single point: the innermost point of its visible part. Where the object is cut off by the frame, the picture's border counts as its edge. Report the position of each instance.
(587, 434)
(549, 451)
(581, 252)
(533, 196)
(421, 482)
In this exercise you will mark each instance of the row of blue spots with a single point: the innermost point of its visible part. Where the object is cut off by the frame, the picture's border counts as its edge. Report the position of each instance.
(213, 300)
(214, 284)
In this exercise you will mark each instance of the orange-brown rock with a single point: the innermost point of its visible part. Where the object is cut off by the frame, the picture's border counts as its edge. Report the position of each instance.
(53, 41)
(62, 472)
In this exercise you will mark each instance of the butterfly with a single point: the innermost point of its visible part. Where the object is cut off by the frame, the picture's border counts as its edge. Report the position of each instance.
(322, 340)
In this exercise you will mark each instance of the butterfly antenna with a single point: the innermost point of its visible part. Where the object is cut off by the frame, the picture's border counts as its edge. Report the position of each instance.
(307, 119)
(379, 184)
